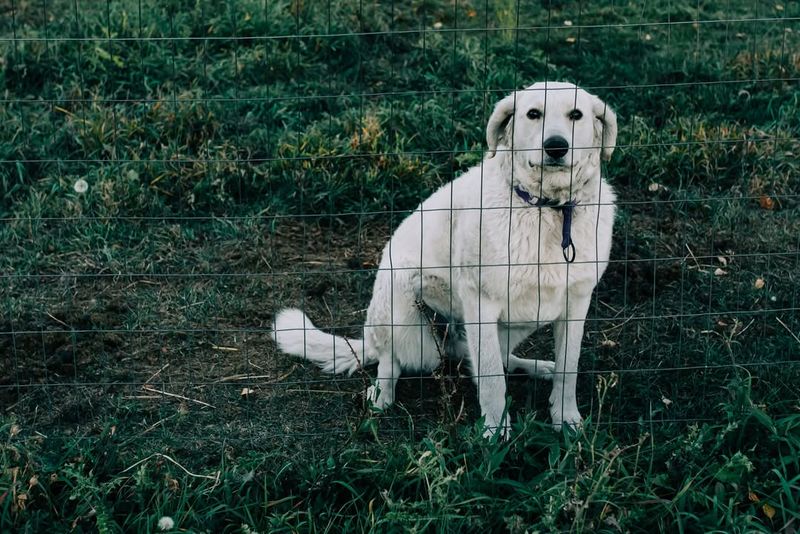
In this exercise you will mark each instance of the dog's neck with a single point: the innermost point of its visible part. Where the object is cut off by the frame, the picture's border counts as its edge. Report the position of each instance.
(542, 202)
(566, 208)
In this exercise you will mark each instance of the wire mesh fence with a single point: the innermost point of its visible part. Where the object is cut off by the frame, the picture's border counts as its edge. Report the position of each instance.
(174, 173)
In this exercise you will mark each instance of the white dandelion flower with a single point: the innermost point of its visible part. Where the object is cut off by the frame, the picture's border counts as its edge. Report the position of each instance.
(81, 186)
(166, 523)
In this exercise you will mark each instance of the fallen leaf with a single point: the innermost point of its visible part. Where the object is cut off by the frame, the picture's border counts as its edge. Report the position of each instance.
(608, 343)
(172, 484)
(766, 202)
(653, 187)
(723, 260)
(247, 391)
(768, 510)
(753, 497)
(720, 272)
(759, 283)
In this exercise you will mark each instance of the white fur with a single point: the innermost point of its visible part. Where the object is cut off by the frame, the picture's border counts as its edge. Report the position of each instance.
(475, 252)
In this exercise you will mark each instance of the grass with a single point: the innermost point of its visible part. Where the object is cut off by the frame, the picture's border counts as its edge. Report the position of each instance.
(212, 135)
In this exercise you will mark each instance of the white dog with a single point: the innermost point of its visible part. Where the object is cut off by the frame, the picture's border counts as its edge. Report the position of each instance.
(515, 243)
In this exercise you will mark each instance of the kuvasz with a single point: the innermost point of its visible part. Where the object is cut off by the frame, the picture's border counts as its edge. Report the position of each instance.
(515, 243)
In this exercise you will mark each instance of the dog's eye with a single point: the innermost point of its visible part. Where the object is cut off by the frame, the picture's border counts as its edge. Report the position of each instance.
(575, 115)
(534, 114)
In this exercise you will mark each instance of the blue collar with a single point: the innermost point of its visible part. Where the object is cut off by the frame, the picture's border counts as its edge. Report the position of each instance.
(567, 247)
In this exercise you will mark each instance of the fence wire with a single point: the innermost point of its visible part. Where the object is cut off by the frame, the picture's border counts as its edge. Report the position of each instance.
(175, 173)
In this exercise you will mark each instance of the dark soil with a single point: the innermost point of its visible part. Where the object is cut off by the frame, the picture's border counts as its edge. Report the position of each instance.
(171, 354)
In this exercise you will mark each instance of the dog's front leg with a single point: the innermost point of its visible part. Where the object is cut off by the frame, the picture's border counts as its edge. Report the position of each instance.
(480, 322)
(568, 330)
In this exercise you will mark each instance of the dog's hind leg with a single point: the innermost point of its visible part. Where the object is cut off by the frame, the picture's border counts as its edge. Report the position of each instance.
(412, 347)
(457, 349)
(543, 369)
(381, 394)
(402, 336)
(510, 338)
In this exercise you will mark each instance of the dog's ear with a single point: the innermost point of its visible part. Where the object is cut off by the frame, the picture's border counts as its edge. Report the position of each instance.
(605, 127)
(497, 130)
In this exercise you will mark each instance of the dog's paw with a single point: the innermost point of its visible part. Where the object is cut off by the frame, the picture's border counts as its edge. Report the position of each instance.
(501, 430)
(570, 419)
(378, 399)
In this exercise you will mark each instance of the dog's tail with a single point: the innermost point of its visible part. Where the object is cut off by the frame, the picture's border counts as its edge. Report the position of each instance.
(294, 333)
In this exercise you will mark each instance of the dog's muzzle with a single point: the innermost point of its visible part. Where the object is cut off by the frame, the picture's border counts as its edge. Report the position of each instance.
(554, 148)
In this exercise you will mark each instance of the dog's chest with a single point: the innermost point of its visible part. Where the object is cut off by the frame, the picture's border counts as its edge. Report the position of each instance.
(537, 279)
(532, 306)
(537, 293)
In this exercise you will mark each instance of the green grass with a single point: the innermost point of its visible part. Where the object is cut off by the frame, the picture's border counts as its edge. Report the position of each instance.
(740, 474)
(212, 135)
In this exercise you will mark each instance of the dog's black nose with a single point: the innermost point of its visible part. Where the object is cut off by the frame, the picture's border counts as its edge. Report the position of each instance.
(556, 147)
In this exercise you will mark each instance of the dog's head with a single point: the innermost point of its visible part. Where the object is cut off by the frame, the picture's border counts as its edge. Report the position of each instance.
(552, 128)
